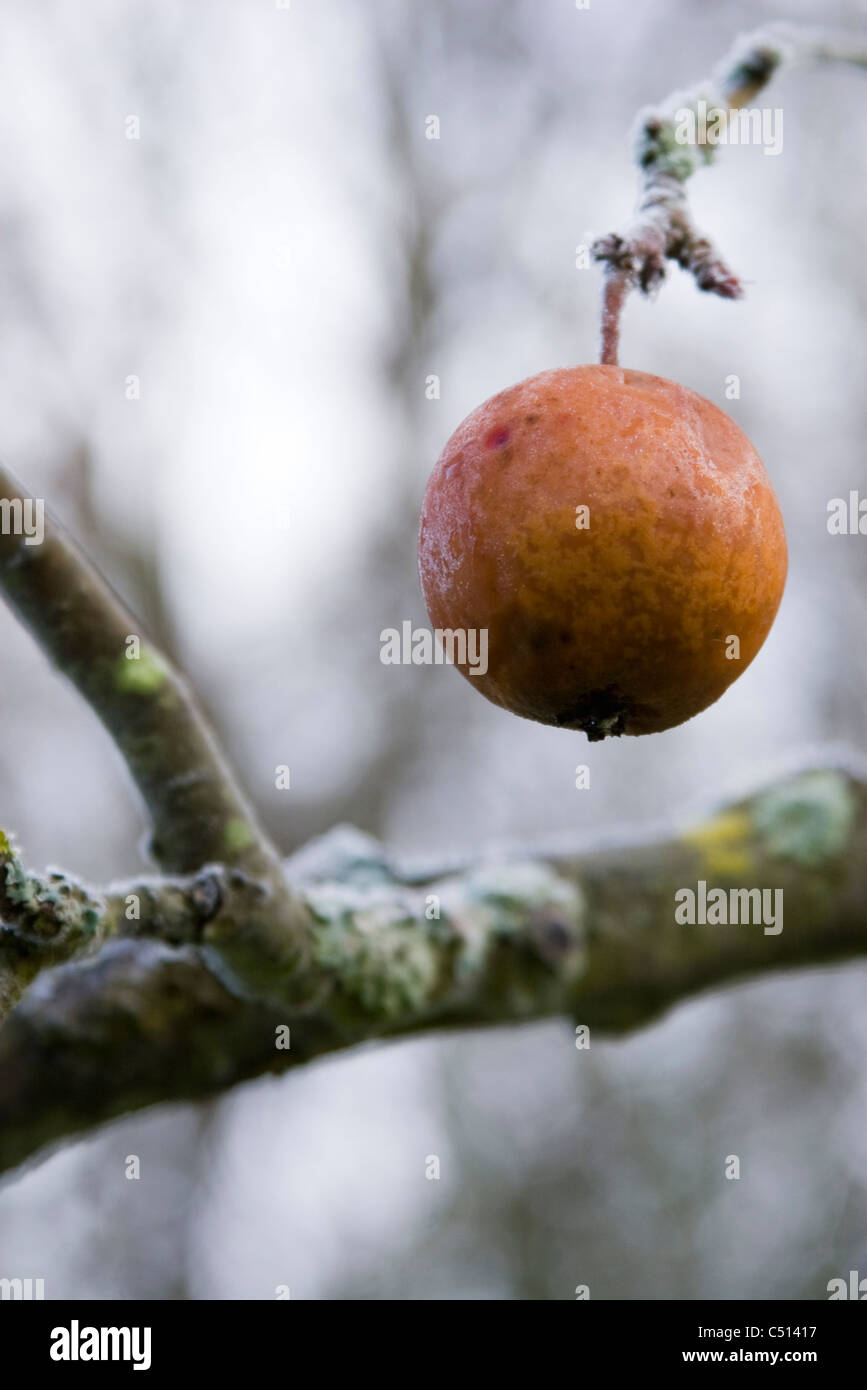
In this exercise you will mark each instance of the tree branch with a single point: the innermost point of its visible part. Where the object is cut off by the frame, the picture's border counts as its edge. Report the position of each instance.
(662, 227)
(590, 935)
(197, 812)
(53, 919)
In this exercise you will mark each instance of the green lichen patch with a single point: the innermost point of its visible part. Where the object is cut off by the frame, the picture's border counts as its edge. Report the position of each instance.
(657, 144)
(519, 914)
(52, 913)
(378, 951)
(237, 836)
(141, 675)
(809, 820)
(506, 894)
(346, 855)
(19, 887)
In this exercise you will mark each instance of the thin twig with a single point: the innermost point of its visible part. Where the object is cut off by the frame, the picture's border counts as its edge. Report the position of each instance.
(662, 228)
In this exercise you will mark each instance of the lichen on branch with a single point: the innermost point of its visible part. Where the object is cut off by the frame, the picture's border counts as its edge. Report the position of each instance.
(43, 922)
(587, 934)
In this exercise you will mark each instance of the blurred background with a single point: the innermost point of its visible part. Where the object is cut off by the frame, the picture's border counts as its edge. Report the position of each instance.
(230, 263)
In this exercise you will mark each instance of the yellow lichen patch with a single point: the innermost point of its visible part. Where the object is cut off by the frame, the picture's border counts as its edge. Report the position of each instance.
(724, 843)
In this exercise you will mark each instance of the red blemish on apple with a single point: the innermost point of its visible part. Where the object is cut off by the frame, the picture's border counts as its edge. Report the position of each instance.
(498, 437)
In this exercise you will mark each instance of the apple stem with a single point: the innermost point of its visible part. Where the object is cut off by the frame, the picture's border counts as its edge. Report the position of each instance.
(614, 291)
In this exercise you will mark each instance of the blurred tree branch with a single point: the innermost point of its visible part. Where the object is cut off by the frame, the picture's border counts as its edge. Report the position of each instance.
(662, 227)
